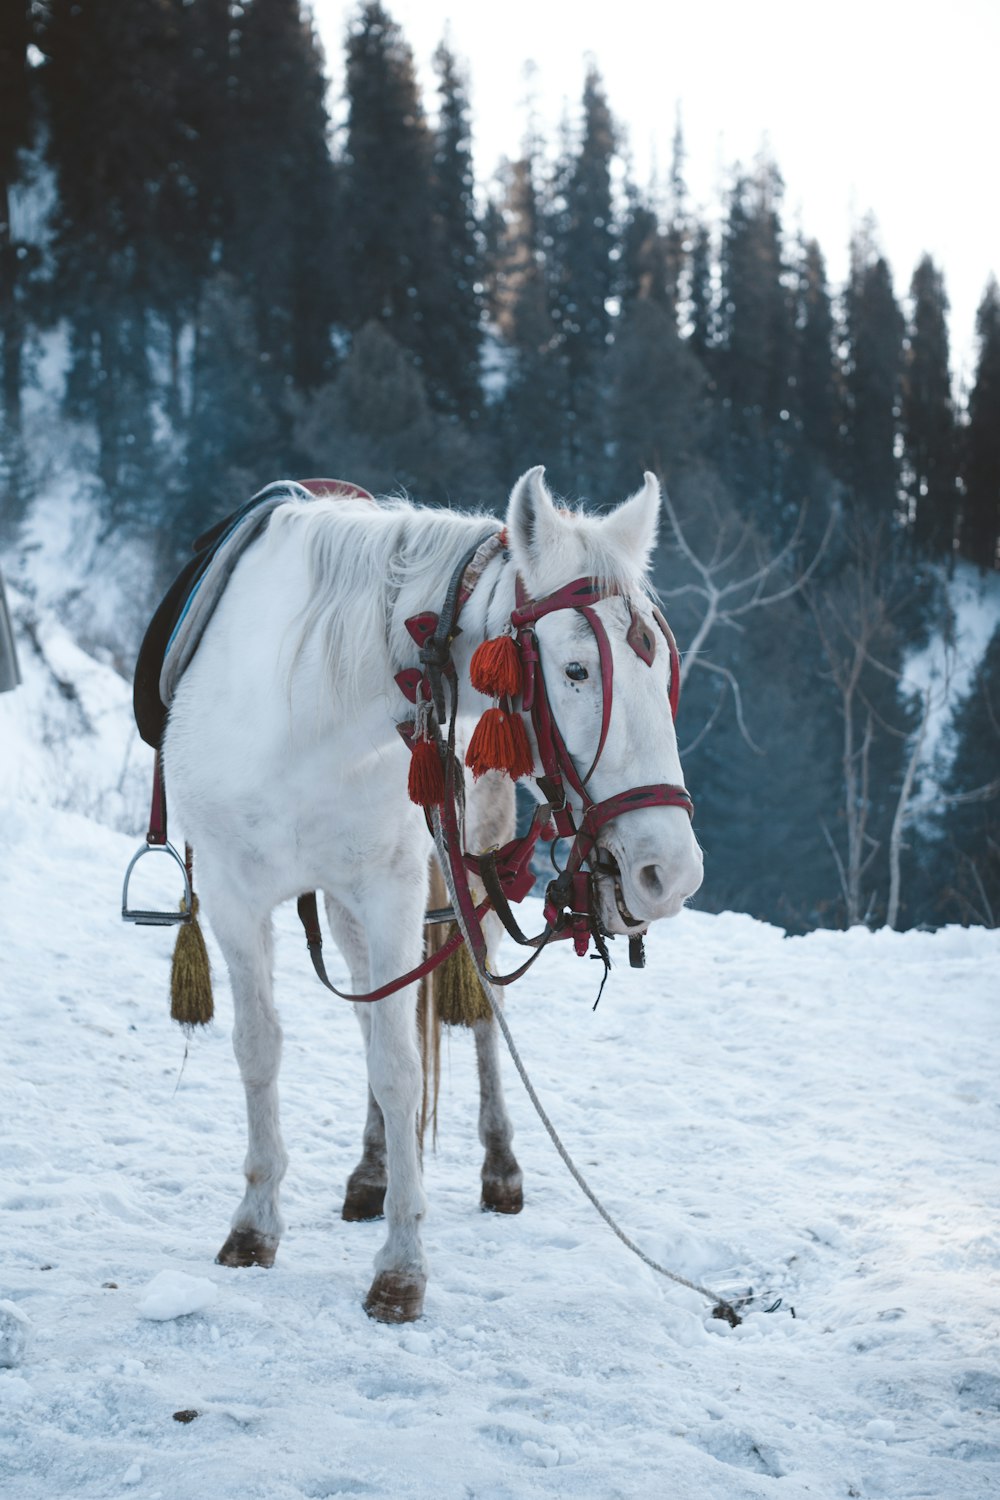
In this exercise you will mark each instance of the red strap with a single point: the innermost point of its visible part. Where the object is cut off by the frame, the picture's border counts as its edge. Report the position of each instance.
(309, 917)
(158, 811)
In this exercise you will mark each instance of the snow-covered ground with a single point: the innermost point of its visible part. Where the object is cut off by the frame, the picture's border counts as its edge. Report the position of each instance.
(815, 1117)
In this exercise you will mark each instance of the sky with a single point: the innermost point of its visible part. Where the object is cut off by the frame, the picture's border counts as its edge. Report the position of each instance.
(881, 107)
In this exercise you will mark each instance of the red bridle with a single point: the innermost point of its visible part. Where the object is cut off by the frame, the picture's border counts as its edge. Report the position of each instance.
(573, 889)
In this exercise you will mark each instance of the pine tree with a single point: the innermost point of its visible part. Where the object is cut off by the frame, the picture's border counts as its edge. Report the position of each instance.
(675, 239)
(234, 443)
(874, 336)
(585, 256)
(282, 246)
(110, 79)
(15, 133)
(818, 401)
(643, 266)
(454, 297)
(981, 508)
(756, 315)
(928, 417)
(702, 292)
(531, 418)
(754, 363)
(387, 223)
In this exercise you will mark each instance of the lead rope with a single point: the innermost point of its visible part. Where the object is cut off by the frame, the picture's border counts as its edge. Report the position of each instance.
(722, 1307)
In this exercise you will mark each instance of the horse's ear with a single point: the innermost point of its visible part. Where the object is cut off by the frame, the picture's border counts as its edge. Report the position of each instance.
(532, 521)
(634, 525)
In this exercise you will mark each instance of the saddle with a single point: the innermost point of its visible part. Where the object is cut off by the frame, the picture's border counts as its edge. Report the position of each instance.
(173, 634)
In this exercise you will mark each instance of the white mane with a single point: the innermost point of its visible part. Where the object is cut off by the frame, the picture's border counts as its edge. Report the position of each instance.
(370, 567)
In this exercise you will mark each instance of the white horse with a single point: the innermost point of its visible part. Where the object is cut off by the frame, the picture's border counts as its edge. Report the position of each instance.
(287, 773)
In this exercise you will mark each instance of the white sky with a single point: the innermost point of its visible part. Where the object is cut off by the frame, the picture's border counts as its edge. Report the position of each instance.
(885, 106)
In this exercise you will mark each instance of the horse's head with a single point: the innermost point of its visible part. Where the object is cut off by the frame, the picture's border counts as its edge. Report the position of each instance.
(606, 668)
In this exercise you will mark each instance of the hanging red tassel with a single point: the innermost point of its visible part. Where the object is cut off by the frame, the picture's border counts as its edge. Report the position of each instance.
(522, 762)
(425, 783)
(499, 743)
(495, 668)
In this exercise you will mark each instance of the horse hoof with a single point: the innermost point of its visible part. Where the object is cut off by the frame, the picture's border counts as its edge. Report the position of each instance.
(363, 1201)
(245, 1247)
(395, 1298)
(500, 1199)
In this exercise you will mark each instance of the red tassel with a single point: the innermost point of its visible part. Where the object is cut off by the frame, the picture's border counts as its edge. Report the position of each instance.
(495, 668)
(522, 761)
(426, 780)
(499, 743)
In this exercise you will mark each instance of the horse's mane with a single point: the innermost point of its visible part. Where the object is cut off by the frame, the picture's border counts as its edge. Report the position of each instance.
(364, 560)
(361, 558)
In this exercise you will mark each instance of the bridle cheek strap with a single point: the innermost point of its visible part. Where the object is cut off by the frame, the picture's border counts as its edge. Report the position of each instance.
(557, 763)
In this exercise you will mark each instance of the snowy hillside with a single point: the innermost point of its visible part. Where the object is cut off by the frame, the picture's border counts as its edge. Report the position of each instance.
(814, 1117)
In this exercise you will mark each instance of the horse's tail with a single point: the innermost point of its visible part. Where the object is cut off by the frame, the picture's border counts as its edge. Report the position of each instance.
(449, 996)
(428, 1019)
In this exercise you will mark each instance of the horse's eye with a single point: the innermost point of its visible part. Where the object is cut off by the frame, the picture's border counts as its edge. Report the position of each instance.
(577, 671)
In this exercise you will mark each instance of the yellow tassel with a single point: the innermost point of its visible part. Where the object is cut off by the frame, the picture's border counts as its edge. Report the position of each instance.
(191, 975)
(458, 995)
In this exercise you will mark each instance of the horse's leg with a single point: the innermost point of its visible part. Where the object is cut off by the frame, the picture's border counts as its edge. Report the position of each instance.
(364, 1197)
(491, 822)
(395, 1073)
(502, 1181)
(247, 944)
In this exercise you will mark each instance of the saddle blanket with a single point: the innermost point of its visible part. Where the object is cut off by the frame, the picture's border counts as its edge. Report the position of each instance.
(173, 634)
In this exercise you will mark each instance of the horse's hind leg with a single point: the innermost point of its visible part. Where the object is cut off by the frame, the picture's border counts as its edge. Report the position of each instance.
(491, 822)
(502, 1182)
(364, 1197)
(247, 944)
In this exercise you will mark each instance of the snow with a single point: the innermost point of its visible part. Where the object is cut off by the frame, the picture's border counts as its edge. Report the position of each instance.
(814, 1117)
(175, 1294)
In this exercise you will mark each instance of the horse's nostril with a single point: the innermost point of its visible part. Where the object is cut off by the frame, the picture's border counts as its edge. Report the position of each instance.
(650, 881)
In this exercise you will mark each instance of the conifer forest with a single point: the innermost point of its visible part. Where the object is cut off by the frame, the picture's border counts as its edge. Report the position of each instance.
(238, 291)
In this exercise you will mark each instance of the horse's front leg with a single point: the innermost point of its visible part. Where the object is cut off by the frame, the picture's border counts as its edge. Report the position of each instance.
(364, 1197)
(395, 1074)
(247, 945)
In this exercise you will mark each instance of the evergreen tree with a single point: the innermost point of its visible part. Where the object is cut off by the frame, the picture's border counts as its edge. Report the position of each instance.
(282, 247)
(981, 509)
(656, 397)
(756, 314)
(754, 364)
(15, 133)
(531, 417)
(586, 267)
(453, 296)
(387, 224)
(929, 418)
(675, 239)
(234, 444)
(643, 266)
(874, 335)
(194, 207)
(110, 80)
(702, 292)
(818, 402)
